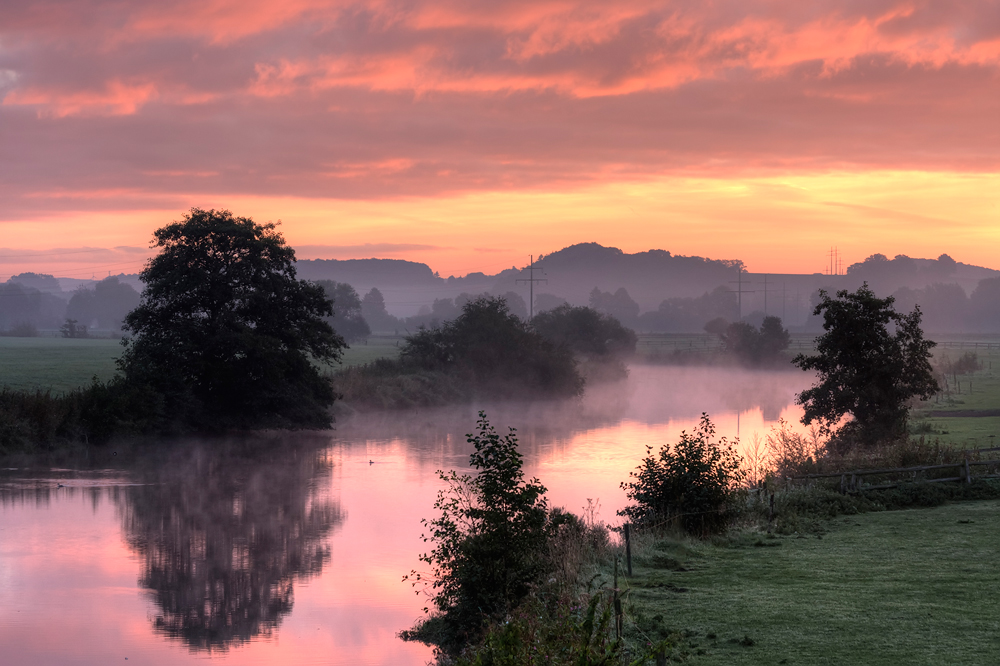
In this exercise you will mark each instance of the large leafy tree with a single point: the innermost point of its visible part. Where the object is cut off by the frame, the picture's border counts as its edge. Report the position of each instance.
(871, 362)
(225, 332)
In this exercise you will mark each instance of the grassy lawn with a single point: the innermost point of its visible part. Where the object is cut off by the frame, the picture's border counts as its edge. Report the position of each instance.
(63, 364)
(901, 587)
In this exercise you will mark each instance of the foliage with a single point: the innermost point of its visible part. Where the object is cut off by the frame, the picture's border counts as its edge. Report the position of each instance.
(34, 421)
(374, 312)
(693, 484)
(495, 352)
(561, 631)
(618, 304)
(753, 346)
(347, 319)
(965, 364)
(586, 331)
(24, 303)
(107, 303)
(73, 329)
(717, 326)
(225, 331)
(865, 370)
(489, 541)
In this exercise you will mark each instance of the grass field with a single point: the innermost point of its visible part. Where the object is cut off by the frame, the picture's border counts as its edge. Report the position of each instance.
(901, 587)
(976, 397)
(57, 364)
(63, 364)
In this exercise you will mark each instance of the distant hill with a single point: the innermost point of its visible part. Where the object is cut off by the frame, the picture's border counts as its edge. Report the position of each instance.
(650, 278)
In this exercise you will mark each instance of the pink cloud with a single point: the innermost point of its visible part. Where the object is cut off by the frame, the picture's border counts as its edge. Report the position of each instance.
(386, 98)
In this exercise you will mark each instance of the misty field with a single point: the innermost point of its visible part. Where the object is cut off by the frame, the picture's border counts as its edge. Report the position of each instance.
(63, 364)
(900, 587)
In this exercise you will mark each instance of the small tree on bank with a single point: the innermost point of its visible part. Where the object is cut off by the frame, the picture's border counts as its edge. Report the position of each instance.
(871, 362)
(225, 333)
(489, 541)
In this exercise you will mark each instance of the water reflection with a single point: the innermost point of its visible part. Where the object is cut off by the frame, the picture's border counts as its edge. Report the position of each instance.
(223, 534)
(652, 395)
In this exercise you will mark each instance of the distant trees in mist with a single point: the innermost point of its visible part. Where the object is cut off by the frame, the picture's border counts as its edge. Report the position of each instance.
(30, 301)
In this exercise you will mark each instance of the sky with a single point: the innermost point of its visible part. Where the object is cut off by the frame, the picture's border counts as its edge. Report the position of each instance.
(469, 134)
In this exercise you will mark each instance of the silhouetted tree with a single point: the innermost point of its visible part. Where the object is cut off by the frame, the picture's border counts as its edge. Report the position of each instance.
(105, 305)
(545, 302)
(225, 331)
(619, 305)
(23, 304)
(73, 329)
(717, 326)
(984, 305)
(347, 319)
(374, 311)
(586, 331)
(865, 369)
(496, 351)
(690, 314)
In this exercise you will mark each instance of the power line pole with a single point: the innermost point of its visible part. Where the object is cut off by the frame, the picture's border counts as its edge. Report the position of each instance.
(740, 290)
(765, 294)
(531, 284)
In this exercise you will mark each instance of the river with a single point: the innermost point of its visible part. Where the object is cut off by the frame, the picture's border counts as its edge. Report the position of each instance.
(290, 548)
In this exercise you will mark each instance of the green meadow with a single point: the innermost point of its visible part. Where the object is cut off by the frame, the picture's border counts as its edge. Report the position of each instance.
(63, 364)
(908, 587)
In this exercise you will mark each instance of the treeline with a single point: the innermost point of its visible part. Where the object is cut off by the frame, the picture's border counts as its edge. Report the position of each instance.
(30, 302)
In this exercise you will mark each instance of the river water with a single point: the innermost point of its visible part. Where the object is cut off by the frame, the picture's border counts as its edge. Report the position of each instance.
(291, 548)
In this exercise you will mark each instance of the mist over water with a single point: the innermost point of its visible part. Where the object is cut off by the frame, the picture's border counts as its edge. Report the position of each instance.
(291, 548)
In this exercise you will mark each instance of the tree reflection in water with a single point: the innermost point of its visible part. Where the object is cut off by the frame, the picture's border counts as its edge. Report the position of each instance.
(223, 535)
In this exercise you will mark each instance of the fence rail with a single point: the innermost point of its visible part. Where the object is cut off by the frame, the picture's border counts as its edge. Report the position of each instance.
(850, 480)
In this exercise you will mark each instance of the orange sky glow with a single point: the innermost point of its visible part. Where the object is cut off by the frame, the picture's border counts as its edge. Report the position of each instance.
(469, 135)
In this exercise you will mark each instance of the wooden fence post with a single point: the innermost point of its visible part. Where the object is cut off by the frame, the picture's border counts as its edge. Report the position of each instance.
(968, 474)
(618, 606)
(628, 550)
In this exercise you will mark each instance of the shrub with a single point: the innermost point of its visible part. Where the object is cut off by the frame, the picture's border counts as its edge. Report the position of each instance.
(490, 542)
(692, 485)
